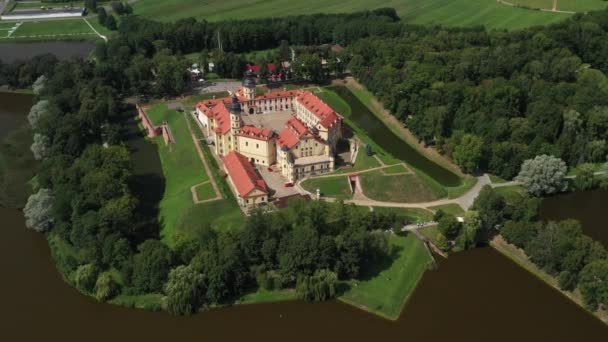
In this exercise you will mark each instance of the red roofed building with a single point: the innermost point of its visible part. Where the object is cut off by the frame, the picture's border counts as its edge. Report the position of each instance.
(304, 146)
(248, 184)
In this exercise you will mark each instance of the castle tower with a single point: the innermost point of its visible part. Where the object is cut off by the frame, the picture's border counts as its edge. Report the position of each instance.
(235, 114)
(249, 86)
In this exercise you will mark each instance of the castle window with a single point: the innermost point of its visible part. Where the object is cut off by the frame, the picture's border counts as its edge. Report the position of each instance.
(257, 145)
(246, 143)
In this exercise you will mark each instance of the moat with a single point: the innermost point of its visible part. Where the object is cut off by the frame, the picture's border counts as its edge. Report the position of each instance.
(478, 294)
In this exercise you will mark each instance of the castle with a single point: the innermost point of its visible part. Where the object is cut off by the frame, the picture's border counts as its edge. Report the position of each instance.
(292, 131)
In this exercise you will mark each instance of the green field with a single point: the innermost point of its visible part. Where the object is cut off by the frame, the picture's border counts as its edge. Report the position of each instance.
(386, 286)
(451, 208)
(563, 5)
(511, 194)
(337, 187)
(205, 191)
(407, 188)
(446, 12)
(182, 168)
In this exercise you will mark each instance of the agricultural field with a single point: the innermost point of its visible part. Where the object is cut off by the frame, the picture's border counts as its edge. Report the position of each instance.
(67, 29)
(445, 12)
(562, 5)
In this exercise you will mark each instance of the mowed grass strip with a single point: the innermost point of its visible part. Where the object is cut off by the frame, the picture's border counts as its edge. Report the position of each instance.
(445, 12)
(409, 188)
(53, 27)
(512, 194)
(337, 187)
(407, 215)
(387, 284)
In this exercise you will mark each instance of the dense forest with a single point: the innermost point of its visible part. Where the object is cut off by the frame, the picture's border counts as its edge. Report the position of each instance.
(488, 99)
(491, 100)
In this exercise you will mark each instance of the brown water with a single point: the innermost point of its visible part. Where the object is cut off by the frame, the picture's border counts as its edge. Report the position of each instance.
(589, 207)
(13, 111)
(474, 296)
(63, 50)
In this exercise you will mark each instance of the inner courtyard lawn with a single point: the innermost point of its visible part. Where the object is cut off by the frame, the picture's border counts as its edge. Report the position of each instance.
(182, 168)
(408, 188)
(387, 284)
(337, 187)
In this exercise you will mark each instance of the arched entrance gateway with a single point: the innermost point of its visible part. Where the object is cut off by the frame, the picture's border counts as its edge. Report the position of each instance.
(251, 110)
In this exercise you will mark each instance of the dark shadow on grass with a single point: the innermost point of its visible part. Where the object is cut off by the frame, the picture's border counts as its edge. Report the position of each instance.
(374, 267)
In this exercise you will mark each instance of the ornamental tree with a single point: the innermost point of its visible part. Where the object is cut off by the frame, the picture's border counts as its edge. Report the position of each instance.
(543, 175)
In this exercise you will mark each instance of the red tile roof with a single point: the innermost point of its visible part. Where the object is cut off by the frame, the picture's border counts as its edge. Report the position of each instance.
(256, 68)
(255, 133)
(292, 133)
(244, 175)
(327, 116)
(222, 118)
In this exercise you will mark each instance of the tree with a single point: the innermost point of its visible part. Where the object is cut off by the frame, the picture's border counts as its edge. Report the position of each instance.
(151, 266)
(593, 284)
(449, 227)
(185, 290)
(519, 233)
(118, 7)
(318, 287)
(37, 112)
(468, 152)
(91, 5)
(585, 179)
(38, 86)
(85, 277)
(106, 287)
(110, 23)
(490, 205)
(469, 235)
(102, 16)
(543, 175)
(40, 146)
(38, 211)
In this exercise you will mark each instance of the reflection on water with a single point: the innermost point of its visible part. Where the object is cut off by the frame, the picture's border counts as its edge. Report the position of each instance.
(589, 207)
(10, 52)
(473, 296)
(390, 142)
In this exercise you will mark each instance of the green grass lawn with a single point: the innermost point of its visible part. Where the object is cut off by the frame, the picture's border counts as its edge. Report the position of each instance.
(410, 188)
(205, 191)
(497, 180)
(337, 187)
(563, 5)
(395, 169)
(456, 191)
(431, 233)
(75, 27)
(183, 168)
(451, 208)
(363, 162)
(595, 166)
(444, 12)
(511, 194)
(410, 214)
(386, 285)
(265, 296)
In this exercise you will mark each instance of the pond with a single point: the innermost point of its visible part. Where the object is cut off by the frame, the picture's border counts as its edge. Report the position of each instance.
(390, 142)
(10, 52)
(589, 207)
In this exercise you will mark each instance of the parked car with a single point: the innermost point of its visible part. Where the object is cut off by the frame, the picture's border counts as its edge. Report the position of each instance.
(288, 185)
